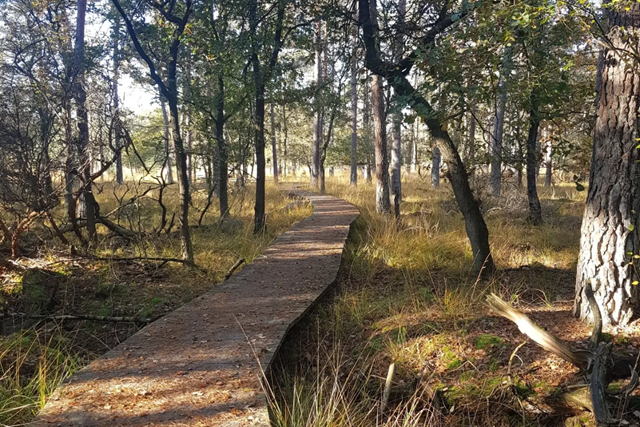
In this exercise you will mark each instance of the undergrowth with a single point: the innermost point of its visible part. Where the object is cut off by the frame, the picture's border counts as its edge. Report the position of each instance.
(407, 297)
(36, 356)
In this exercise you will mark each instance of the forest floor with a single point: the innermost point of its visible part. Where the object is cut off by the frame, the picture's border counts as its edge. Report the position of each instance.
(406, 295)
(37, 354)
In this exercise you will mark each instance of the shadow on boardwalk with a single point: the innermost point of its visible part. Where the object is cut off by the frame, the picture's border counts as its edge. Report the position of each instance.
(201, 364)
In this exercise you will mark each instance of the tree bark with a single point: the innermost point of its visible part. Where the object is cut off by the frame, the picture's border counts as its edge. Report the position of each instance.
(535, 210)
(354, 109)
(260, 76)
(548, 174)
(168, 169)
(498, 129)
(222, 161)
(396, 145)
(317, 118)
(83, 122)
(116, 101)
(435, 167)
(609, 235)
(471, 150)
(383, 204)
(274, 148)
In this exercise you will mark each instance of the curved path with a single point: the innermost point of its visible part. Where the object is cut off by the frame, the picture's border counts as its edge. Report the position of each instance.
(198, 366)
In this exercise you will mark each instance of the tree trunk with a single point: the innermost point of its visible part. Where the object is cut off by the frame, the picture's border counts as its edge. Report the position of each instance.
(535, 211)
(383, 204)
(317, 118)
(83, 123)
(610, 226)
(396, 144)
(547, 163)
(274, 148)
(260, 77)
(168, 169)
(435, 167)
(471, 150)
(222, 161)
(285, 142)
(259, 212)
(116, 101)
(498, 129)
(354, 109)
(183, 180)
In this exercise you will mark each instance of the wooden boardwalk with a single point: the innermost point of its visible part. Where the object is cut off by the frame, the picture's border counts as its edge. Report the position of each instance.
(198, 366)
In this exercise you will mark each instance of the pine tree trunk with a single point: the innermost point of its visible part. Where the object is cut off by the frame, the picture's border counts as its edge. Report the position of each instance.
(259, 208)
(519, 157)
(610, 226)
(383, 204)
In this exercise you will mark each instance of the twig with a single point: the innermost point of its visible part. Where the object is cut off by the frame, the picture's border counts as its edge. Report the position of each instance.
(233, 268)
(387, 387)
(513, 355)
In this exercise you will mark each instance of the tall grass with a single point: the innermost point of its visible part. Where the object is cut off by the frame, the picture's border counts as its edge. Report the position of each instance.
(32, 365)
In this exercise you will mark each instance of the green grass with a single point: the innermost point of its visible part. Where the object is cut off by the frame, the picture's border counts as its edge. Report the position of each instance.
(33, 365)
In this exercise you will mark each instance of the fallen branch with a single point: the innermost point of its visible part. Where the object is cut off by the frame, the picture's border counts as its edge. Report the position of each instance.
(600, 363)
(539, 335)
(125, 319)
(233, 268)
(157, 259)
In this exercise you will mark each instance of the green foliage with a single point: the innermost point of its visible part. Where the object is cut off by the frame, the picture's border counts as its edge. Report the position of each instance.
(487, 340)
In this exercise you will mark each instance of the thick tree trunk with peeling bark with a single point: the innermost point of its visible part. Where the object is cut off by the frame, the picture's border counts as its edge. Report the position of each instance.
(610, 224)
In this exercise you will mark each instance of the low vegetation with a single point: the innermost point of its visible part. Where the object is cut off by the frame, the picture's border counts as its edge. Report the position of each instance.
(407, 296)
